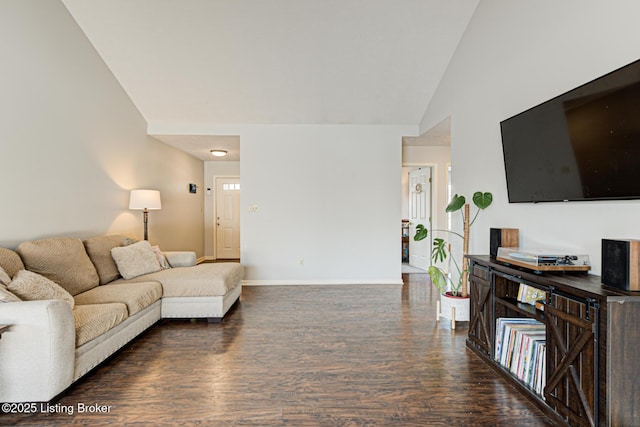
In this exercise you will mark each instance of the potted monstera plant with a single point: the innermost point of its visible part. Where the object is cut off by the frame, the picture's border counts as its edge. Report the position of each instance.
(441, 252)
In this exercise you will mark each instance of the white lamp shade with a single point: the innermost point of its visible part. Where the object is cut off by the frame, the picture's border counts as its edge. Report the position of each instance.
(145, 199)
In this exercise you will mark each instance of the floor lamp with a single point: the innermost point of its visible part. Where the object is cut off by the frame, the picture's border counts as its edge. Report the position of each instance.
(145, 200)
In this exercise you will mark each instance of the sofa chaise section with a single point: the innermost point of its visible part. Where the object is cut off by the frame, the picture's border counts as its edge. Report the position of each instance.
(204, 290)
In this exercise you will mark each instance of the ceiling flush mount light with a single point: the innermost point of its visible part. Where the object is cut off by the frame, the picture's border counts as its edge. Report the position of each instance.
(218, 153)
(145, 200)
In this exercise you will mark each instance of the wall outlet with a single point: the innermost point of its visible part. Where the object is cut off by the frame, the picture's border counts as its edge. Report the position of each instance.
(302, 261)
(253, 208)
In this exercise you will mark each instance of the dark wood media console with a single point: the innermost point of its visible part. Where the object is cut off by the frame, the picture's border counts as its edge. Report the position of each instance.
(592, 340)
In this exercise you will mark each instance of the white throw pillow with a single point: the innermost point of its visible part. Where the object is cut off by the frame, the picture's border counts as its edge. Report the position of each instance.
(135, 260)
(31, 286)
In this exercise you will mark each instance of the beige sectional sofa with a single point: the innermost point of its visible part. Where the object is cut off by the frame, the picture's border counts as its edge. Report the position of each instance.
(71, 304)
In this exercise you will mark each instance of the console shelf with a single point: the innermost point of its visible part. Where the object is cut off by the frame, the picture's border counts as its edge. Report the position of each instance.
(592, 340)
(521, 308)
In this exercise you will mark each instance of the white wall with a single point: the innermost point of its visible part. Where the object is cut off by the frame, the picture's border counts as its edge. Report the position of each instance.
(515, 55)
(327, 195)
(212, 170)
(72, 144)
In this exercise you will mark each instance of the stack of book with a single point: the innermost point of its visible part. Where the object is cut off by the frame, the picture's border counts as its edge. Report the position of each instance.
(531, 294)
(520, 348)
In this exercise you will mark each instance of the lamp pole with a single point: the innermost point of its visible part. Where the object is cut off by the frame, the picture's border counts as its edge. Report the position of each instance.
(145, 214)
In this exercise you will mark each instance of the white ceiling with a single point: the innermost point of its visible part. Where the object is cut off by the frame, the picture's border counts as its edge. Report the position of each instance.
(212, 62)
(438, 135)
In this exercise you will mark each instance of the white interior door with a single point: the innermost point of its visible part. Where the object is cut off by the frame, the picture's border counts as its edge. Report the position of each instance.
(227, 224)
(419, 213)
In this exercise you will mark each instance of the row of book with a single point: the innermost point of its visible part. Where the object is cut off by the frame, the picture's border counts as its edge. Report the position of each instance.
(530, 294)
(520, 348)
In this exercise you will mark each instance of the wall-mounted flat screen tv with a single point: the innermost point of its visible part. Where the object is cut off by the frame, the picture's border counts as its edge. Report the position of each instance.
(581, 145)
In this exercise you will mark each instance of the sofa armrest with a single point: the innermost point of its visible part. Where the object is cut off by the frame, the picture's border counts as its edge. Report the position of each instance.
(181, 258)
(37, 351)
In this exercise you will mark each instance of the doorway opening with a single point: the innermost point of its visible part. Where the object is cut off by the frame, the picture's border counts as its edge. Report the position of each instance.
(431, 153)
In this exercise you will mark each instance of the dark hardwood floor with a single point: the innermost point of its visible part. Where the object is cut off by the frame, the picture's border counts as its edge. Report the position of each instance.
(302, 356)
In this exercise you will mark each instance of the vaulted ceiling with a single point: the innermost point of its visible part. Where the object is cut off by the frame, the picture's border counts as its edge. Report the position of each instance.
(210, 62)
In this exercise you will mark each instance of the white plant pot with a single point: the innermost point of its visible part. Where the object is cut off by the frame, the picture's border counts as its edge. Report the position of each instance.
(453, 308)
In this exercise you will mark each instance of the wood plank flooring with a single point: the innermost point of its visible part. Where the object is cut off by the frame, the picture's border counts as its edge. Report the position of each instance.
(301, 356)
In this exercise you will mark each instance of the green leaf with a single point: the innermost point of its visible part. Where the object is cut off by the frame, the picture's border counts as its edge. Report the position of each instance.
(438, 278)
(482, 200)
(455, 287)
(421, 233)
(439, 252)
(456, 203)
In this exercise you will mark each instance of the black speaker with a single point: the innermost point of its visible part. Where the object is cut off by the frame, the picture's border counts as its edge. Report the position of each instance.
(621, 264)
(502, 237)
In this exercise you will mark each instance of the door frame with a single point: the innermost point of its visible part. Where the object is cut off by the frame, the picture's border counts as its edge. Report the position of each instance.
(215, 211)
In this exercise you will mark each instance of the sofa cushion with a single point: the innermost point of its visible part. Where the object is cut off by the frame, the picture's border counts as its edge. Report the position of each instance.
(180, 258)
(135, 296)
(31, 286)
(63, 260)
(93, 320)
(99, 251)
(5, 279)
(6, 296)
(10, 261)
(209, 279)
(135, 260)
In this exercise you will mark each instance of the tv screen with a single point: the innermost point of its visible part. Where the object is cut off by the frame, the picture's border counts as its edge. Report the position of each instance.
(581, 145)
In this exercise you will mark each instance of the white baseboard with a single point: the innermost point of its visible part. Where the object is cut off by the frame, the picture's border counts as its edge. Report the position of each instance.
(321, 282)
